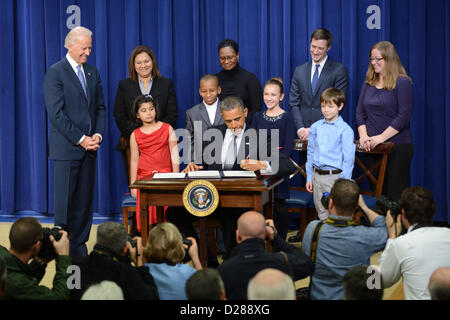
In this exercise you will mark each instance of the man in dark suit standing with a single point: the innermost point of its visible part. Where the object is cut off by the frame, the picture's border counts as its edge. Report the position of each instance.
(311, 79)
(74, 99)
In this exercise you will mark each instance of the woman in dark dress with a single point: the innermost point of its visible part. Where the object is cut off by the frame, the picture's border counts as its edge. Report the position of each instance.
(276, 118)
(383, 114)
(144, 78)
(236, 81)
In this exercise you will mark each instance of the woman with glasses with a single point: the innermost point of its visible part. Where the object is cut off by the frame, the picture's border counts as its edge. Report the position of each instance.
(383, 114)
(144, 78)
(236, 81)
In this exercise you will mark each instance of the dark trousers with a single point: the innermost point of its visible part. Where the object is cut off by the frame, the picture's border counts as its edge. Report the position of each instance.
(397, 177)
(73, 197)
(280, 217)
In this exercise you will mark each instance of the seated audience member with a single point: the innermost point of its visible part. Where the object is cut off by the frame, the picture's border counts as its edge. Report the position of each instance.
(111, 260)
(271, 284)
(27, 239)
(417, 254)
(105, 290)
(356, 285)
(439, 285)
(205, 284)
(164, 254)
(249, 256)
(342, 243)
(2, 278)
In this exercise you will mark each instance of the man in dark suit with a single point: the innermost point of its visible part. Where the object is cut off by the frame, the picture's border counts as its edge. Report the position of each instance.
(236, 147)
(311, 79)
(204, 115)
(74, 99)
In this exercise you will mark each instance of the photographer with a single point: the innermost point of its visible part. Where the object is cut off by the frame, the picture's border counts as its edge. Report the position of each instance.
(249, 256)
(164, 254)
(418, 253)
(111, 259)
(27, 238)
(341, 242)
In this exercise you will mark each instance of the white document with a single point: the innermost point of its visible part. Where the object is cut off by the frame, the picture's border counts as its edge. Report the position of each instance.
(169, 175)
(239, 174)
(204, 174)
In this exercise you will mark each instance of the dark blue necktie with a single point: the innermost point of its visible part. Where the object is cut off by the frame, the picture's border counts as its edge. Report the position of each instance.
(315, 79)
(81, 78)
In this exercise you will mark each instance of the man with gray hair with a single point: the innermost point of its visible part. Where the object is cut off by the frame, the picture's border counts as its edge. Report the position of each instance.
(271, 284)
(111, 259)
(74, 99)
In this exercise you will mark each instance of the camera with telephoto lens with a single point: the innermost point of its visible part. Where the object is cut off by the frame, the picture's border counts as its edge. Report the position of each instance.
(384, 204)
(47, 251)
(187, 242)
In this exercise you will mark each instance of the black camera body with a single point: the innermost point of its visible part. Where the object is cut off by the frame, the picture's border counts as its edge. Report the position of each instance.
(384, 204)
(47, 251)
(187, 242)
(325, 200)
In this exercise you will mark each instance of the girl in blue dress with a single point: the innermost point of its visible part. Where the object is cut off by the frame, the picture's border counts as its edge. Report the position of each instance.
(275, 118)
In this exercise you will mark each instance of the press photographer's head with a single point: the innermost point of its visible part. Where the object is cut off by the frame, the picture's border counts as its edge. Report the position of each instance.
(418, 206)
(344, 197)
(26, 234)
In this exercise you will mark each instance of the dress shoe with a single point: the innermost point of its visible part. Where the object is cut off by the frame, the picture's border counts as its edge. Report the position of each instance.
(295, 238)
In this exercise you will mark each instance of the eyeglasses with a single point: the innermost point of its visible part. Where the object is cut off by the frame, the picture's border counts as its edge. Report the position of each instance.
(228, 58)
(375, 59)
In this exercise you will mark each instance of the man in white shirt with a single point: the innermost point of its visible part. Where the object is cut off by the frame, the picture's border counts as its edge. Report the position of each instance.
(418, 253)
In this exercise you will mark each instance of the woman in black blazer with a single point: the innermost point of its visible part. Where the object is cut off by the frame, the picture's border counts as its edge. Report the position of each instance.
(144, 78)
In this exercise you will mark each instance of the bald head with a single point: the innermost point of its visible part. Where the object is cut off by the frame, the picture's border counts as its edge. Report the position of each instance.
(439, 285)
(251, 224)
(271, 284)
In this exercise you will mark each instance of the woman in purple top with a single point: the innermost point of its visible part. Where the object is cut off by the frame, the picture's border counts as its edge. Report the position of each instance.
(384, 110)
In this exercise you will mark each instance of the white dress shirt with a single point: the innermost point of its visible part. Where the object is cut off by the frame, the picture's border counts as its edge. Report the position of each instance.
(211, 109)
(226, 142)
(415, 256)
(321, 64)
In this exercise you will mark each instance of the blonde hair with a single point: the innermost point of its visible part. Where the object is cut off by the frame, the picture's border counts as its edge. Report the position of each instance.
(393, 66)
(164, 245)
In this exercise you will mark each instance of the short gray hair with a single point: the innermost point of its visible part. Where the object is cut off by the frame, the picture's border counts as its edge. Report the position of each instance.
(230, 103)
(112, 235)
(105, 290)
(271, 284)
(76, 32)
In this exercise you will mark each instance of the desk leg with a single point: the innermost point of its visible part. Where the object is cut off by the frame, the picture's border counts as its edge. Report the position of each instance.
(144, 216)
(203, 237)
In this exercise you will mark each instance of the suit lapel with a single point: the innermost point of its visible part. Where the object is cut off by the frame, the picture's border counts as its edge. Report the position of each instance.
(323, 75)
(204, 114)
(74, 77)
(218, 115)
(155, 90)
(308, 79)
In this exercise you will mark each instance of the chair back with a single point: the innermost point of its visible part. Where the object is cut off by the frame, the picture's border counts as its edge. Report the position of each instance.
(376, 173)
(299, 145)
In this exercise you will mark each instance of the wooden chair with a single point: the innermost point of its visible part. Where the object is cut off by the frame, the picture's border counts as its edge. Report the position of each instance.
(301, 200)
(374, 174)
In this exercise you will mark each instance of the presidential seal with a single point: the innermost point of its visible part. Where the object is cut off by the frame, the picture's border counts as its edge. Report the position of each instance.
(200, 198)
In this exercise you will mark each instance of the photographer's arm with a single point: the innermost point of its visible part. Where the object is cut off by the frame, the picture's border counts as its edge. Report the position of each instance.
(193, 253)
(371, 215)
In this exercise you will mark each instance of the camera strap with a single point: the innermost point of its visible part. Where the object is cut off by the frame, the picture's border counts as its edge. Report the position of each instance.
(341, 222)
(315, 240)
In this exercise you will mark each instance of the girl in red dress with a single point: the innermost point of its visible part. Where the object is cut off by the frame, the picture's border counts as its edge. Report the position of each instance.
(153, 147)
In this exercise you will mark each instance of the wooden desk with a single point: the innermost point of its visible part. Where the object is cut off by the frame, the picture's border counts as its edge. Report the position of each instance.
(233, 193)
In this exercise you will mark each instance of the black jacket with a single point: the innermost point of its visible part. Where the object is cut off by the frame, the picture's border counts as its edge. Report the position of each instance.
(136, 283)
(250, 257)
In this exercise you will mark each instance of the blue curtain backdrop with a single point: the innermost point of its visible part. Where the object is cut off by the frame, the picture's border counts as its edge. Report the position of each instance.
(274, 39)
